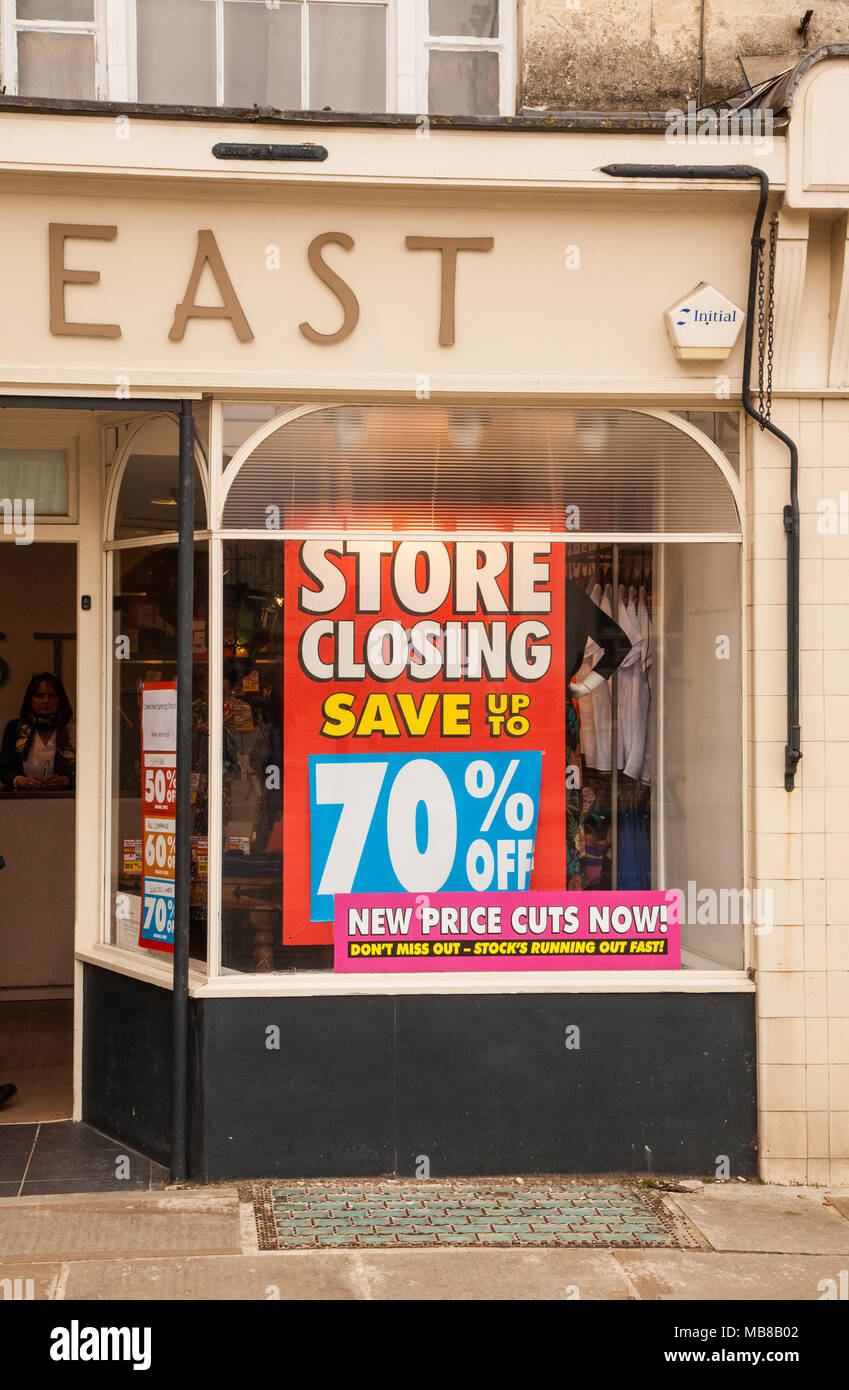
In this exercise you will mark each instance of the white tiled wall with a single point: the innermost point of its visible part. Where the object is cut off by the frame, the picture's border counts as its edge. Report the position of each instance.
(800, 842)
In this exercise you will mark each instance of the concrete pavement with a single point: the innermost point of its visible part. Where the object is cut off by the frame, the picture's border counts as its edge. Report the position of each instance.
(759, 1242)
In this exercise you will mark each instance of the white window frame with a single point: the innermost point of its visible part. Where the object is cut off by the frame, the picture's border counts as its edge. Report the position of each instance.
(408, 48)
(504, 46)
(35, 434)
(392, 23)
(12, 27)
(111, 27)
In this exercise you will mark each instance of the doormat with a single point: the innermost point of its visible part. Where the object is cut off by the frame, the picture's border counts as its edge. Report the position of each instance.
(310, 1216)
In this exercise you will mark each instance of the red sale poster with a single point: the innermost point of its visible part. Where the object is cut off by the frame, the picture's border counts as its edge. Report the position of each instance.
(424, 721)
(159, 808)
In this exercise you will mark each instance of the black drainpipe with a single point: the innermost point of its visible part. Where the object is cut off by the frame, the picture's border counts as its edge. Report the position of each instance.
(737, 173)
(182, 865)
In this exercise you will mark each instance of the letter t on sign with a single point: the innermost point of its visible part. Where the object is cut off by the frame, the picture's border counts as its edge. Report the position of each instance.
(449, 246)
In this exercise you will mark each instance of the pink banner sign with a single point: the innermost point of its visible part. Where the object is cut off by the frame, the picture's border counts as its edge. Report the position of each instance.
(507, 931)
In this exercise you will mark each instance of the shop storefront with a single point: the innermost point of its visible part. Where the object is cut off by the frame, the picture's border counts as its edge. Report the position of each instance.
(482, 568)
(396, 608)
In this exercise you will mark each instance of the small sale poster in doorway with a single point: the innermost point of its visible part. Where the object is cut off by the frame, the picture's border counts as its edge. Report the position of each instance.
(159, 811)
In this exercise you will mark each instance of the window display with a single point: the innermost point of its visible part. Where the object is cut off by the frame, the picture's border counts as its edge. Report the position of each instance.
(142, 643)
(449, 653)
(485, 702)
(145, 645)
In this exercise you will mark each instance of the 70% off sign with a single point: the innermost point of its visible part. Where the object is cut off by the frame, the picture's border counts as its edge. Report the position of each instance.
(447, 822)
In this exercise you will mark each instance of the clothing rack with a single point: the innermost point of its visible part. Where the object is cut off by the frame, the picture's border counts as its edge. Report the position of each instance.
(581, 563)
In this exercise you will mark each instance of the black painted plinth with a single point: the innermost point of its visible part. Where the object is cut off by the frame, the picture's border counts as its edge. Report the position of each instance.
(476, 1084)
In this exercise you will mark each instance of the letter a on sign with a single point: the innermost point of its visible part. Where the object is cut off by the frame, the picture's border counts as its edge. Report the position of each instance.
(209, 254)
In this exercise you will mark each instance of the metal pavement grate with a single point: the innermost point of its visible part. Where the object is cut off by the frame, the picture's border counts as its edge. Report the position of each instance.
(321, 1215)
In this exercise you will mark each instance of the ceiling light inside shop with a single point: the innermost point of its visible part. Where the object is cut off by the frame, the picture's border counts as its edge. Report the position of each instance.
(592, 434)
(467, 429)
(349, 428)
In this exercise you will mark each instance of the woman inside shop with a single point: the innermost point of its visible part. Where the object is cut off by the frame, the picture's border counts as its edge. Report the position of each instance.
(37, 754)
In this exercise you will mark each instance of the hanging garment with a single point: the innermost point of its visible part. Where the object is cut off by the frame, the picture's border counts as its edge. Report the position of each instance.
(639, 697)
(645, 625)
(601, 701)
(584, 619)
(633, 870)
(631, 747)
(575, 879)
(586, 706)
(596, 845)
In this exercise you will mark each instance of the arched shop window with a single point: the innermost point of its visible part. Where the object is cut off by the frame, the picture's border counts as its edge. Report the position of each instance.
(393, 580)
(146, 500)
(141, 551)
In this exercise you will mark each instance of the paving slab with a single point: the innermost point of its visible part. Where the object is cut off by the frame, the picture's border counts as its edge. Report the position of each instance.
(172, 1198)
(462, 1275)
(841, 1204)
(302, 1274)
(382, 1275)
(25, 1281)
(682, 1275)
(781, 1220)
(137, 1182)
(67, 1136)
(146, 1223)
(17, 1138)
(13, 1166)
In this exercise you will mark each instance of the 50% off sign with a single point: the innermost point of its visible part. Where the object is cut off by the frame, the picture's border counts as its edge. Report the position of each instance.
(446, 822)
(160, 784)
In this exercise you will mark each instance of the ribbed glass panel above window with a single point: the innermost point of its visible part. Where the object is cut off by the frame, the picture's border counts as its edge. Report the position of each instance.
(440, 468)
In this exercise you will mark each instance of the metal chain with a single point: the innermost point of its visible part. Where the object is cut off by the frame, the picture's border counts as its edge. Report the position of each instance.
(766, 321)
(761, 329)
(770, 309)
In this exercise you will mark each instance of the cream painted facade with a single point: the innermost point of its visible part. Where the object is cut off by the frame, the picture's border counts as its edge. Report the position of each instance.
(535, 323)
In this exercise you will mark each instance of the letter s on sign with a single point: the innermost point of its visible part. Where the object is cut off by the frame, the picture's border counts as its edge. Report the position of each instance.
(334, 282)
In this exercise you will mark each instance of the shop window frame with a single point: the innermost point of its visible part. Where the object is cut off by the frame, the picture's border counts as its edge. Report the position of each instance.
(151, 965)
(211, 982)
(317, 981)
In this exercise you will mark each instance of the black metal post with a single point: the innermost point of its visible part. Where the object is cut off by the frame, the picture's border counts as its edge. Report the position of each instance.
(738, 173)
(182, 868)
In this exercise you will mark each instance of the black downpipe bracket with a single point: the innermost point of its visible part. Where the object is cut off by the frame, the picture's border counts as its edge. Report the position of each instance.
(182, 867)
(742, 173)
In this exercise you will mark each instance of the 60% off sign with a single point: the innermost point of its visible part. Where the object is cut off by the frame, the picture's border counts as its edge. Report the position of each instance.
(159, 848)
